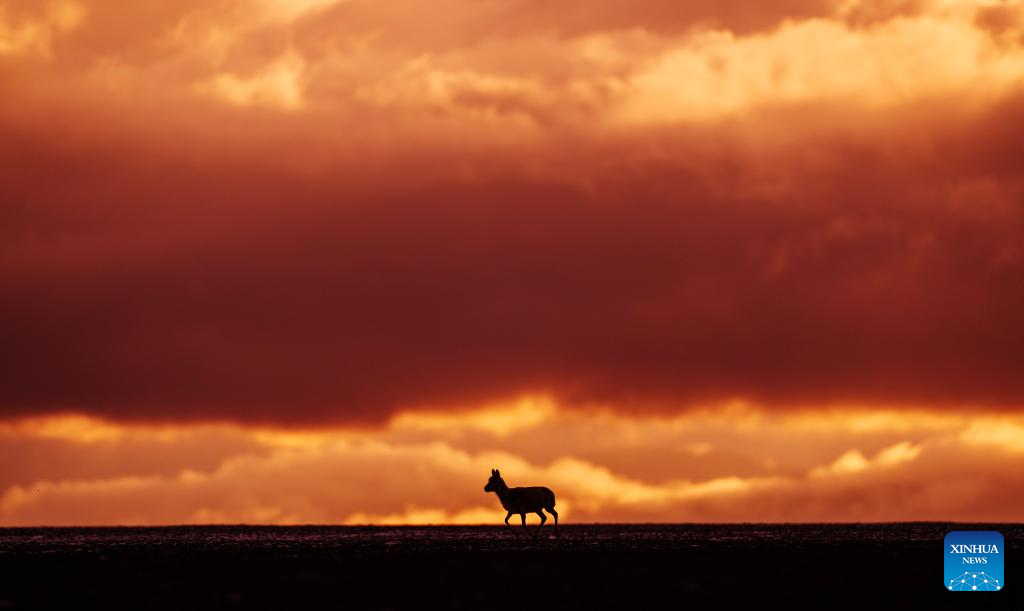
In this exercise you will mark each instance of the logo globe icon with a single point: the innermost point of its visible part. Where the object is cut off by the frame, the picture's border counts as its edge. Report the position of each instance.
(974, 581)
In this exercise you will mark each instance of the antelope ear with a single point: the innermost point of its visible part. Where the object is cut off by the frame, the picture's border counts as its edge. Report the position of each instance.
(498, 473)
(494, 471)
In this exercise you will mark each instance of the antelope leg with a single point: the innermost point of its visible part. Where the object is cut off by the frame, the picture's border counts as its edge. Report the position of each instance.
(509, 525)
(543, 518)
(523, 516)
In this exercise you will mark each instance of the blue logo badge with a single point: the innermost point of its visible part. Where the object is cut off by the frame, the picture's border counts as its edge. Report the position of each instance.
(974, 561)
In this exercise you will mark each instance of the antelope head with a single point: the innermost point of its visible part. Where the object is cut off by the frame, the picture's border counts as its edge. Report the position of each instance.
(495, 482)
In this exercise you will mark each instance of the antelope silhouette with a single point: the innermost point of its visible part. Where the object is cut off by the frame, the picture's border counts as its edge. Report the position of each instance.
(523, 501)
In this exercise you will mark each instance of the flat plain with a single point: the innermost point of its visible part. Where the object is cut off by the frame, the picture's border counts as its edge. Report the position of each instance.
(736, 566)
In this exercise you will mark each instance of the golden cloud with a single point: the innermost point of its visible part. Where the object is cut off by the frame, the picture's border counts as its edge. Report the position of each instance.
(412, 474)
(34, 33)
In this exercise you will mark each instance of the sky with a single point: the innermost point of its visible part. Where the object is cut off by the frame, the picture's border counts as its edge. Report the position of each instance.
(331, 261)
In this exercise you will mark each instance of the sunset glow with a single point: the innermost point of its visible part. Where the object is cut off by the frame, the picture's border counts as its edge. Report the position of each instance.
(702, 466)
(332, 261)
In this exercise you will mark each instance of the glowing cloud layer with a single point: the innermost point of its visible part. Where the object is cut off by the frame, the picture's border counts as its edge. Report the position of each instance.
(736, 464)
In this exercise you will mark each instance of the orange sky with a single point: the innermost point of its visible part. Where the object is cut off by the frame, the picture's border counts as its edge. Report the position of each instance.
(334, 260)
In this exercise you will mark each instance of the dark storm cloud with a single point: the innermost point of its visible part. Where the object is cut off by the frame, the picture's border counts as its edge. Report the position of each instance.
(879, 272)
(261, 215)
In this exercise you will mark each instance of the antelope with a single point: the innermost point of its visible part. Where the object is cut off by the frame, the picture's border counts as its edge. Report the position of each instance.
(523, 501)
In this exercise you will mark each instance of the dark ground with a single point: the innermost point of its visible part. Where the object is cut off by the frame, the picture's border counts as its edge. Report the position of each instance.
(895, 566)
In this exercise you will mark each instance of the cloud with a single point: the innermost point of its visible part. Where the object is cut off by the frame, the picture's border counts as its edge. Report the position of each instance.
(406, 473)
(322, 216)
(34, 33)
(821, 60)
(277, 86)
(414, 515)
(852, 461)
(1006, 436)
(75, 448)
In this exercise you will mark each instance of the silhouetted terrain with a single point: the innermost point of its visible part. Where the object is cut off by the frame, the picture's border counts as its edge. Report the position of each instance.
(615, 566)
